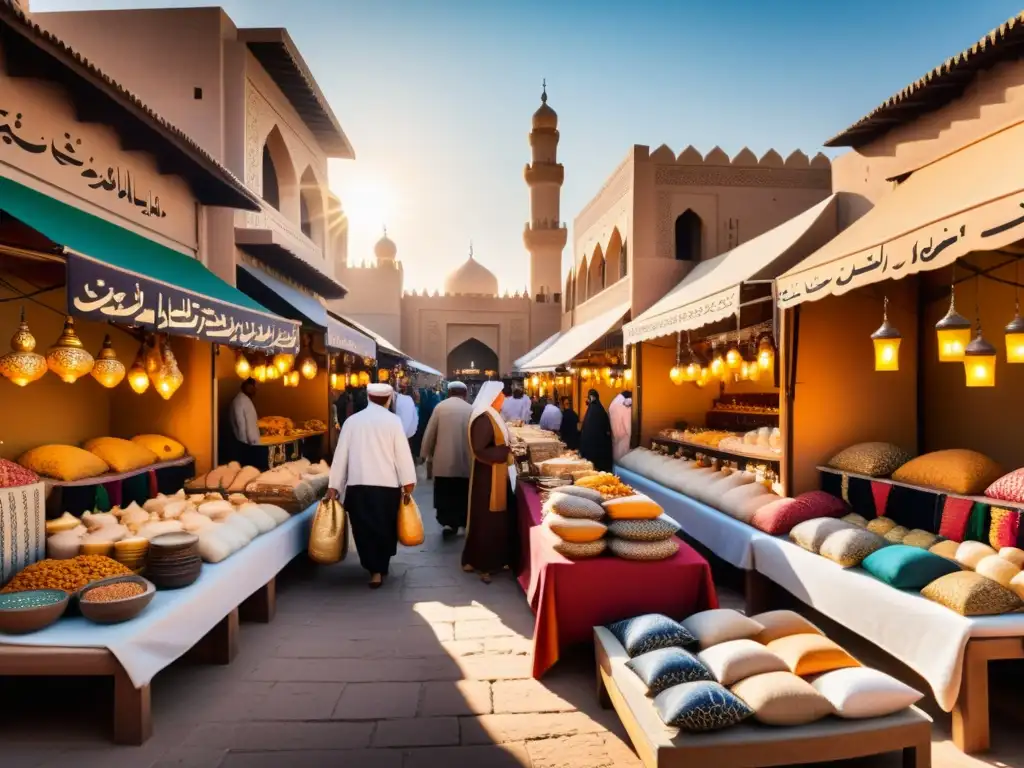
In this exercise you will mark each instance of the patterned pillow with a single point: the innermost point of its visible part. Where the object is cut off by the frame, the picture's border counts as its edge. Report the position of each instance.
(969, 594)
(573, 506)
(666, 667)
(700, 706)
(906, 567)
(643, 634)
(739, 659)
(580, 551)
(871, 459)
(1004, 527)
(584, 493)
(811, 654)
(782, 623)
(860, 692)
(854, 519)
(811, 534)
(967, 473)
(850, 546)
(922, 539)
(782, 698)
(970, 553)
(659, 529)
(644, 550)
(996, 568)
(741, 503)
(896, 534)
(881, 525)
(720, 625)
(1008, 487)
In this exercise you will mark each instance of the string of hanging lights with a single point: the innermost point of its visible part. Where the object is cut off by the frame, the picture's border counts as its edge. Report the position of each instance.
(743, 360)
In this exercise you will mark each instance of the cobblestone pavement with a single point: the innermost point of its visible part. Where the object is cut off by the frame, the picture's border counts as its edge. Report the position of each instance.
(431, 670)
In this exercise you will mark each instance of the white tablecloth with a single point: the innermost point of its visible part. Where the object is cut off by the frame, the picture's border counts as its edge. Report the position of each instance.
(727, 537)
(177, 619)
(927, 637)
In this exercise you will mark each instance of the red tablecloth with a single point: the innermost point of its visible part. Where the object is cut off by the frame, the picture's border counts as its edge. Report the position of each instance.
(569, 598)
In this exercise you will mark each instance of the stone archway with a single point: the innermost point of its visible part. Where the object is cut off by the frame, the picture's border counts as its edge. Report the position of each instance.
(472, 354)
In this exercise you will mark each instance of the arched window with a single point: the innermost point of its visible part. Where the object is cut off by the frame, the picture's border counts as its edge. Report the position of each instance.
(580, 294)
(688, 236)
(624, 261)
(271, 188)
(305, 222)
(311, 208)
(595, 273)
(613, 258)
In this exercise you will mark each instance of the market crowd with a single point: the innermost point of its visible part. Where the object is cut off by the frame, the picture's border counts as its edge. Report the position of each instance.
(467, 451)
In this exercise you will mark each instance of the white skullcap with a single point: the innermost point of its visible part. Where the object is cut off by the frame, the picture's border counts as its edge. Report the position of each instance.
(380, 390)
(456, 385)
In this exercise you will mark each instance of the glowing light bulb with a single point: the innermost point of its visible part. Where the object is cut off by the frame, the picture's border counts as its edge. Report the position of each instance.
(22, 365)
(676, 375)
(765, 354)
(108, 370)
(243, 368)
(284, 361)
(308, 368)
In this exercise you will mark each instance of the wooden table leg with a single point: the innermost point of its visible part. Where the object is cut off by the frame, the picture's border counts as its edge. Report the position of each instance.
(133, 717)
(919, 756)
(261, 606)
(758, 592)
(220, 645)
(970, 714)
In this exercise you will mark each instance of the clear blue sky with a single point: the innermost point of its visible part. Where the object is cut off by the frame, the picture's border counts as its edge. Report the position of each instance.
(436, 95)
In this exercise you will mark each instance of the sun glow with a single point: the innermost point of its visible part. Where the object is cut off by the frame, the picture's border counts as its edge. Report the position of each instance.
(368, 200)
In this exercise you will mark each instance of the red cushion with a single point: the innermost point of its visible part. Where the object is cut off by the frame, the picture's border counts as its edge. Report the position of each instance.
(779, 517)
(1008, 487)
(956, 513)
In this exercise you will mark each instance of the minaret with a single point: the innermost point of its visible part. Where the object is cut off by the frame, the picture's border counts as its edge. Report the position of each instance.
(545, 236)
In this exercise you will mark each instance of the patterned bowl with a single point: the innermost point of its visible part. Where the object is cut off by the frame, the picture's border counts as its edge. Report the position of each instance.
(32, 610)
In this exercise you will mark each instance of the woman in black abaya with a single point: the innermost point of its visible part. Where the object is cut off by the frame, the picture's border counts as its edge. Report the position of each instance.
(596, 434)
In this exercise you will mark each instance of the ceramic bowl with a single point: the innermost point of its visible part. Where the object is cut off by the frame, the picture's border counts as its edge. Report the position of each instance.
(30, 611)
(115, 611)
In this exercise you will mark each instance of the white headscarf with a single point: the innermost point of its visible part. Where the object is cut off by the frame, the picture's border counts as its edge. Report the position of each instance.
(484, 402)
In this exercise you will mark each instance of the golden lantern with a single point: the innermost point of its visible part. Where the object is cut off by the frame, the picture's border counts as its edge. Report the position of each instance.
(744, 372)
(676, 375)
(286, 379)
(353, 380)
(138, 379)
(627, 376)
(733, 358)
(293, 377)
(67, 357)
(108, 370)
(152, 357)
(692, 371)
(954, 334)
(765, 353)
(243, 368)
(383, 374)
(284, 361)
(259, 371)
(887, 343)
(342, 381)
(308, 367)
(753, 370)
(717, 362)
(332, 380)
(585, 373)
(980, 362)
(273, 372)
(1014, 338)
(364, 379)
(606, 374)
(169, 378)
(22, 365)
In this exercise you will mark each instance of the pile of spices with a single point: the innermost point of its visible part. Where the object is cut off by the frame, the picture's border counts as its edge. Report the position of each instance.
(122, 590)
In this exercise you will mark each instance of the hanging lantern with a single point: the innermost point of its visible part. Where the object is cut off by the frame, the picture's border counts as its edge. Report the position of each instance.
(383, 374)
(308, 367)
(243, 368)
(169, 378)
(887, 343)
(259, 371)
(332, 380)
(744, 372)
(717, 363)
(353, 380)
(284, 361)
(954, 334)
(753, 365)
(22, 365)
(702, 378)
(733, 358)
(273, 372)
(676, 375)
(67, 357)
(293, 377)
(342, 381)
(152, 357)
(980, 362)
(364, 379)
(765, 353)
(286, 380)
(138, 379)
(108, 370)
(1014, 338)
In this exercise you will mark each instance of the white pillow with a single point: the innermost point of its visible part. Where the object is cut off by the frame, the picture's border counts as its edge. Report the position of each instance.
(720, 625)
(860, 692)
(278, 515)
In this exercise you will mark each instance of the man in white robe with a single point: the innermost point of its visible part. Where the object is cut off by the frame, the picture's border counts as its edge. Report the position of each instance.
(405, 407)
(243, 443)
(620, 413)
(551, 417)
(446, 450)
(371, 472)
(517, 407)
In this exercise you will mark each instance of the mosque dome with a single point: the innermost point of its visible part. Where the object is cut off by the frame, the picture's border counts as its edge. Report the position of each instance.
(545, 117)
(385, 249)
(471, 278)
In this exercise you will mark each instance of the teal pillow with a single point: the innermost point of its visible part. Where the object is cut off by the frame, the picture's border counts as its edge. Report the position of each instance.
(906, 567)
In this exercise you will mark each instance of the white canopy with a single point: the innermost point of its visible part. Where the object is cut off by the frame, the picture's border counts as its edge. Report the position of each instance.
(968, 201)
(574, 341)
(536, 351)
(416, 365)
(711, 292)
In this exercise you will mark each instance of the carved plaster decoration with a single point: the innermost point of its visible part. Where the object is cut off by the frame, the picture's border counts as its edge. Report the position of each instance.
(730, 176)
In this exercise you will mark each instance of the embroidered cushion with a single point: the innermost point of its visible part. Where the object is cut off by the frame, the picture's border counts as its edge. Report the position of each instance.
(782, 698)
(1009, 487)
(666, 667)
(822, 504)
(573, 506)
(779, 518)
(946, 549)
(850, 546)
(63, 462)
(720, 625)
(810, 654)
(998, 569)
(1013, 555)
(737, 660)
(700, 706)
(643, 550)
(896, 534)
(969, 594)
(165, 448)
(956, 513)
(741, 503)
(881, 525)
(577, 530)
(967, 473)
(782, 623)
(854, 519)
(970, 553)
(635, 507)
(860, 692)
(906, 567)
(658, 529)
(580, 551)
(1003, 528)
(871, 459)
(13, 475)
(922, 539)
(811, 534)
(643, 634)
(584, 493)
(121, 455)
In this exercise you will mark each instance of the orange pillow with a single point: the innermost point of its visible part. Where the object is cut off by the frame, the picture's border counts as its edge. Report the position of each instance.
(809, 654)
(960, 471)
